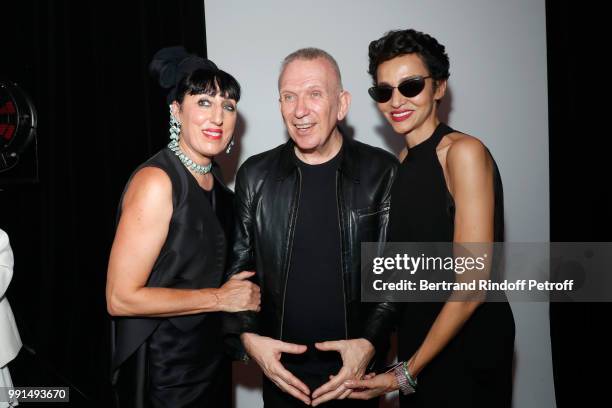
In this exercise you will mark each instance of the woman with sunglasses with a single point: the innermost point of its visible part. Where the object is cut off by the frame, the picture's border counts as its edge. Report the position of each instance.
(448, 189)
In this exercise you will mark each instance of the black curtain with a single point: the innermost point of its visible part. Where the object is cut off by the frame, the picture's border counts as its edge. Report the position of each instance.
(84, 64)
(580, 196)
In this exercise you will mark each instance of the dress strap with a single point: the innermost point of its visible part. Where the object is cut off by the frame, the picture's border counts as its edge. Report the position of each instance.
(442, 130)
(429, 145)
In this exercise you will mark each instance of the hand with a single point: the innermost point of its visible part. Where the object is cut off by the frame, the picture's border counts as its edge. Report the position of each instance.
(239, 294)
(267, 353)
(372, 386)
(356, 354)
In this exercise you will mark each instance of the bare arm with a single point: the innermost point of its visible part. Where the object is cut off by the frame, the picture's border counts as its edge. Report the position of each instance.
(142, 230)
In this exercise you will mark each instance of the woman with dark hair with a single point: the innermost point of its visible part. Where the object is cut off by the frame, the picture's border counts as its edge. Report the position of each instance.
(165, 275)
(455, 353)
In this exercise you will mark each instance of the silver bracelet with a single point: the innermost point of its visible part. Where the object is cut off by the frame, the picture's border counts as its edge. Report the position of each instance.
(406, 385)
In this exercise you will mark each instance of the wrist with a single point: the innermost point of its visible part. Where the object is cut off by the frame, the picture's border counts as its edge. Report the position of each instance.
(246, 337)
(405, 381)
(414, 366)
(217, 299)
(211, 300)
(394, 383)
(367, 346)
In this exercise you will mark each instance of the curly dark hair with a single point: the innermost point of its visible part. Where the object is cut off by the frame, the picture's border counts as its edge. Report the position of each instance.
(400, 42)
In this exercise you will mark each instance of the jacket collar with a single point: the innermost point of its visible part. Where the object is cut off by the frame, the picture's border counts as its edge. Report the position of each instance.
(348, 162)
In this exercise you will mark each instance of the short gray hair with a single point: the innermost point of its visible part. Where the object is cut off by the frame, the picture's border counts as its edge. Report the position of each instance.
(309, 54)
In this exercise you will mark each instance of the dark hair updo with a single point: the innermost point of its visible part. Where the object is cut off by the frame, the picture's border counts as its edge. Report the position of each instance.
(401, 42)
(187, 74)
(205, 81)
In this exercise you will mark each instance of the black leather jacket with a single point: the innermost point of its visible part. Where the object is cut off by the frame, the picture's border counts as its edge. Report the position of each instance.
(267, 193)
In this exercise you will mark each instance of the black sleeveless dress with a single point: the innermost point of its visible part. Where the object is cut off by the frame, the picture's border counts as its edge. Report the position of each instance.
(475, 368)
(179, 361)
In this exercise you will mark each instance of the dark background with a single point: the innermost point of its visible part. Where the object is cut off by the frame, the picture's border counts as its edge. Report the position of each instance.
(580, 198)
(100, 115)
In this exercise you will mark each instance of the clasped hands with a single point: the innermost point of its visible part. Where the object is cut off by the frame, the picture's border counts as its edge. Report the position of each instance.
(267, 352)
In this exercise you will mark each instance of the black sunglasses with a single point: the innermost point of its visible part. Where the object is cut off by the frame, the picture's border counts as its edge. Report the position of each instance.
(409, 88)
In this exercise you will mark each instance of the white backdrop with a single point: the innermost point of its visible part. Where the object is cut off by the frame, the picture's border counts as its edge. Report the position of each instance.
(497, 92)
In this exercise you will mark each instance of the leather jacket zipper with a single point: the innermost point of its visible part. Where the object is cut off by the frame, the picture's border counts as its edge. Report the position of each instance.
(292, 223)
(339, 202)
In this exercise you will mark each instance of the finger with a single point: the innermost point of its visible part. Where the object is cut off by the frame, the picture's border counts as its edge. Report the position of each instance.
(329, 345)
(355, 384)
(242, 275)
(345, 394)
(291, 348)
(328, 396)
(368, 376)
(291, 390)
(332, 384)
(290, 379)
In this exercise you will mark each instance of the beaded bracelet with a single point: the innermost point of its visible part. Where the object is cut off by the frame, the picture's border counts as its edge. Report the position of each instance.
(412, 381)
(407, 384)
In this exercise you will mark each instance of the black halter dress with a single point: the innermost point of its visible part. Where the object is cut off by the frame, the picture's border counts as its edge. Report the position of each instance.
(475, 368)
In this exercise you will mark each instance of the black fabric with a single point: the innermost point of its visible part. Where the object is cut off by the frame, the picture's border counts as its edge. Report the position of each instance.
(188, 368)
(155, 374)
(475, 368)
(314, 298)
(209, 195)
(580, 202)
(185, 359)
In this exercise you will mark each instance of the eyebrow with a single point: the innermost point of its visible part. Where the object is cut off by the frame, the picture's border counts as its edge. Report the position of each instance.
(310, 86)
(403, 79)
(224, 98)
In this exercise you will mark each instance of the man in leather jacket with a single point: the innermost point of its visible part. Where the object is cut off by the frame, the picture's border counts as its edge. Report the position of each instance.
(302, 211)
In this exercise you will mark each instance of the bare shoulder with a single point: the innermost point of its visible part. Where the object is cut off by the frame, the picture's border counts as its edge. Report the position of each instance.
(464, 150)
(149, 185)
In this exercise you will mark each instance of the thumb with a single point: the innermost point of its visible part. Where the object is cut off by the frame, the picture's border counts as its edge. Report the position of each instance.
(292, 348)
(328, 346)
(242, 275)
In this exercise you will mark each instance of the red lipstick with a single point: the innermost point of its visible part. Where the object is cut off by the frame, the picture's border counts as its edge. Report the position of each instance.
(213, 133)
(401, 114)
